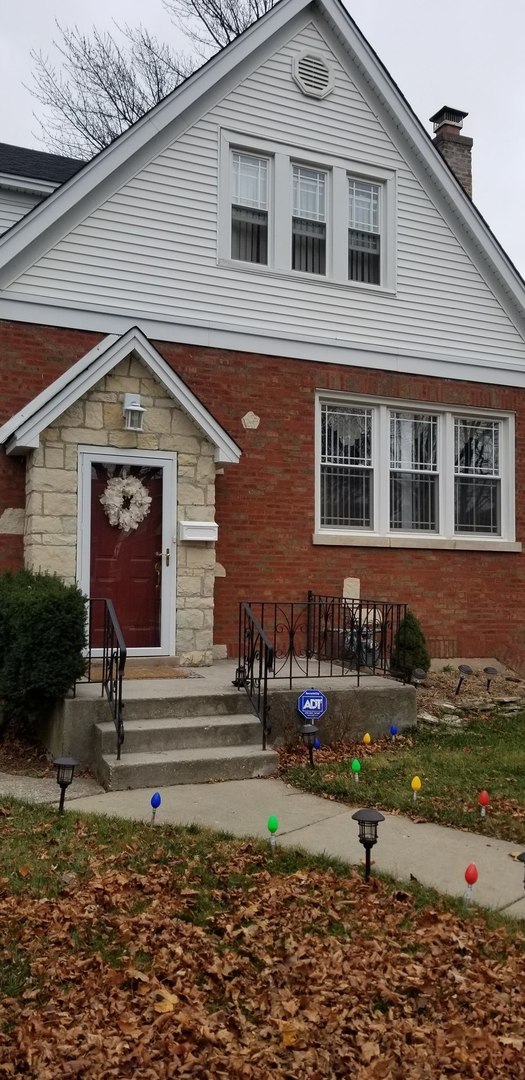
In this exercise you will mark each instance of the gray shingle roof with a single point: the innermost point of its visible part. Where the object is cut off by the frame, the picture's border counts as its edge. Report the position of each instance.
(36, 164)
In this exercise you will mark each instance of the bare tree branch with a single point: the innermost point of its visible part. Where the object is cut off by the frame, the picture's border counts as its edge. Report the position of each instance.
(99, 83)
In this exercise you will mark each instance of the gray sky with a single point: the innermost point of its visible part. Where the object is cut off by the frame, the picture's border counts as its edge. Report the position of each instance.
(464, 53)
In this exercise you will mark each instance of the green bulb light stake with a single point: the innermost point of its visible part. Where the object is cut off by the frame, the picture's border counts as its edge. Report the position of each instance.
(356, 769)
(272, 826)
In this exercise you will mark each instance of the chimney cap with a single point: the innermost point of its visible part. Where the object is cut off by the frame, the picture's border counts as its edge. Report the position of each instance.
(446, 115)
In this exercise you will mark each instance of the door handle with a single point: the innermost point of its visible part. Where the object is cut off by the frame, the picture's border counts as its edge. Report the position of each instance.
(163, 555)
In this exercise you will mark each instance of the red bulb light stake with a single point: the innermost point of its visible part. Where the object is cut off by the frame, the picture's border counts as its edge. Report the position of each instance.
(483, 799)
(471, 876)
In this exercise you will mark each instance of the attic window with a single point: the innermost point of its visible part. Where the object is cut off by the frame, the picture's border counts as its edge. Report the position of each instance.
(312, 74)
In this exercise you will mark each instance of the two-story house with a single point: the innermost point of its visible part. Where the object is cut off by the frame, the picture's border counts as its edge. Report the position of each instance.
(264, 342)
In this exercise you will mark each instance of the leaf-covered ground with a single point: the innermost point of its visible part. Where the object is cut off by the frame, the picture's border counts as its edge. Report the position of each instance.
(454, 766)
(129, 951)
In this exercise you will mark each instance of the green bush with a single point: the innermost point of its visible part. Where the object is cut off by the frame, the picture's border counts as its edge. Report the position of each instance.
(410, 648)
(42, 637)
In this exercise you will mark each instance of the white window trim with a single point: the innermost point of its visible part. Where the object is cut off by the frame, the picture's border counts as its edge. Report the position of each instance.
(282, 157)
(381, 535)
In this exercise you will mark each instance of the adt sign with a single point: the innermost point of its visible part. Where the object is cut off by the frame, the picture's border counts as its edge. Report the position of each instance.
(312, 704)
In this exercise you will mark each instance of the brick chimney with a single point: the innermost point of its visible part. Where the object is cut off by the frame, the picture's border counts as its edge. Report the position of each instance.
(455, 148)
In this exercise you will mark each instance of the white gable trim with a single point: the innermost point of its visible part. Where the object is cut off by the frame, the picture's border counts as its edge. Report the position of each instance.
(22, 432)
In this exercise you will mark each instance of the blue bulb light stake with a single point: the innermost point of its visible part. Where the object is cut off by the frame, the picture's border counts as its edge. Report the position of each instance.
(155, 803)
(393, 732)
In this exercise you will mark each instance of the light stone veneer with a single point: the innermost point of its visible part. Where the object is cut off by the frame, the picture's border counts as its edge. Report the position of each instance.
(50, 536)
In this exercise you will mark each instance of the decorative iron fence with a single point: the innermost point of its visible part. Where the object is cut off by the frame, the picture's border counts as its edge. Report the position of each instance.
(106, 658)
(325, 636)
(255, 663)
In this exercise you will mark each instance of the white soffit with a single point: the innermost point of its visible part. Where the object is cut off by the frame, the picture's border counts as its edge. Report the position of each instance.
(22, 432)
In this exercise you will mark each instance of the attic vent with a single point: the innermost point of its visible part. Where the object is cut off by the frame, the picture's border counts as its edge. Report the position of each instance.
(312, 74)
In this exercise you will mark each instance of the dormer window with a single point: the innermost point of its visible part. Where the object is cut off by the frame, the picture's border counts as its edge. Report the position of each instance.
(249, 238)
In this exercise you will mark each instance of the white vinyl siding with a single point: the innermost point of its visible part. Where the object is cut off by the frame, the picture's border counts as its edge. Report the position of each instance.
(14, 205)
(398, 471)
(151, 249)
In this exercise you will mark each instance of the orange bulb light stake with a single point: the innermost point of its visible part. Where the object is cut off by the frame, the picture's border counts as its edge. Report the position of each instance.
(483, 799)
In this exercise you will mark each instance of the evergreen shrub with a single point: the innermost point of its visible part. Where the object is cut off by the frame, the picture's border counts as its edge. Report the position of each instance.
(42, 638)
(410, 648)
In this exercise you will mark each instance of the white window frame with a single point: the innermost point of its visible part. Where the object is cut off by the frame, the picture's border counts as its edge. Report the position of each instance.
(339, 170)
(380, 534)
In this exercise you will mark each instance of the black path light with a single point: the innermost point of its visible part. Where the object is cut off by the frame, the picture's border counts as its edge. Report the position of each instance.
(368, 820)
(464, 671)
(418, 676)
(309, 735)
(491, 673)
(65, 767)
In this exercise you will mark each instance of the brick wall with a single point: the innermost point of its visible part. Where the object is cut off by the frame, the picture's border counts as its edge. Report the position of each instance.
(467, 600)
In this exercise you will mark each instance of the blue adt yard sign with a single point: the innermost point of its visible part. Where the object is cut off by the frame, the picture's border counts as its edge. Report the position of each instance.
(312, 704)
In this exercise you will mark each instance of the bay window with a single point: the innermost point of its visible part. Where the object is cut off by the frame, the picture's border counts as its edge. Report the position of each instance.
(408, 476)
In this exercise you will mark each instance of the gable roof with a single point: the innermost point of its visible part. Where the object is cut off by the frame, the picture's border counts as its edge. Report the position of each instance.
(47, 223)
(36, 164)
(22, 432)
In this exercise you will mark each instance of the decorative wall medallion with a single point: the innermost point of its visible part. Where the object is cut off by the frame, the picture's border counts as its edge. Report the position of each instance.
(126, 502)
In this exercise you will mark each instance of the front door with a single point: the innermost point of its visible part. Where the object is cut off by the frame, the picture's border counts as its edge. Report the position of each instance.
(127, 551)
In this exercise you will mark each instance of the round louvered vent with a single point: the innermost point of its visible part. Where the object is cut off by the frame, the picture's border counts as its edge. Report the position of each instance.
(312, 74)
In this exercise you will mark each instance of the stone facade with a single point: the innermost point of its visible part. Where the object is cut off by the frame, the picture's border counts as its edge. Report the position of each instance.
(50, 538)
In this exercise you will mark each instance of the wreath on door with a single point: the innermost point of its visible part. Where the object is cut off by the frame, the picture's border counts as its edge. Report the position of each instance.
(126, 502)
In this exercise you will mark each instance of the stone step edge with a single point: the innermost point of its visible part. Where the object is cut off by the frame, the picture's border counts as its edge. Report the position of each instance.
(185, 723)
(174, 757)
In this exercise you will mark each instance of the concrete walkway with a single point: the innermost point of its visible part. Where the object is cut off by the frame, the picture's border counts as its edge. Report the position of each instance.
(435, 855)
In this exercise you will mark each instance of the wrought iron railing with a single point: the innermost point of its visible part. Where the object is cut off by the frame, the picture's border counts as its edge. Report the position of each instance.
(106, 659)
(255, 663)
(328, 636)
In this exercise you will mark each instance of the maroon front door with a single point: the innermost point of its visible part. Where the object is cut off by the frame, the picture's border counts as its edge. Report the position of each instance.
(125, 565)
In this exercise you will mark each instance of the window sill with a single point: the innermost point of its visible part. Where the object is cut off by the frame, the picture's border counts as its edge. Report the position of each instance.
(297, 275)
(333, 539)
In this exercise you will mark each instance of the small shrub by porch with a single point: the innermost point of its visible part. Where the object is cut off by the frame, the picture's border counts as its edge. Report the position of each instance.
(42, 638)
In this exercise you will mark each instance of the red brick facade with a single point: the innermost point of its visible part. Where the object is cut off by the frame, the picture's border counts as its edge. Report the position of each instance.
(470, 602)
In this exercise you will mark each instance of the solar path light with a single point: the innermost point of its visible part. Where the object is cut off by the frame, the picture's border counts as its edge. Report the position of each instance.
(464, 671)
(309, 737)
(65, 767)
(491, 673)
(368, 820)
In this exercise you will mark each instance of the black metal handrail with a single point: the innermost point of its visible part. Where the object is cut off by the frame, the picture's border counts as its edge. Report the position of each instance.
(255, 661)
(105, 635)
(327, 636)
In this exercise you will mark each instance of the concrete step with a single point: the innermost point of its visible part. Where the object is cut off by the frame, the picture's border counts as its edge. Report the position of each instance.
(190, 766)
(158, 708)
(174, 733)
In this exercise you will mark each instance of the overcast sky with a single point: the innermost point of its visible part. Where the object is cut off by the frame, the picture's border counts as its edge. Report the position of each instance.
(464, 53)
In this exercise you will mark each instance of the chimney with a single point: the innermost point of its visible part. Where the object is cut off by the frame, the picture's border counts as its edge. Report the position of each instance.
(455, 148)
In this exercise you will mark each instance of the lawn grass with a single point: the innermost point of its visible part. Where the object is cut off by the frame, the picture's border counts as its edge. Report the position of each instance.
(454, 766)
(143, 952)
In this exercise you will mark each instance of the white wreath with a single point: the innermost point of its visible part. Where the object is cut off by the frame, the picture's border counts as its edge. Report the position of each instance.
(126, 502)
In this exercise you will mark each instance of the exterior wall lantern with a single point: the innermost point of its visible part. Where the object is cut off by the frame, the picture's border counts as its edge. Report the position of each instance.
(309, 735)
(133, 412)
(368, 820)
(65, 767)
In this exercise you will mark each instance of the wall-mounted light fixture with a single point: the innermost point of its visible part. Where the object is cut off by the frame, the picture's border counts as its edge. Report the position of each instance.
(133, 412)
